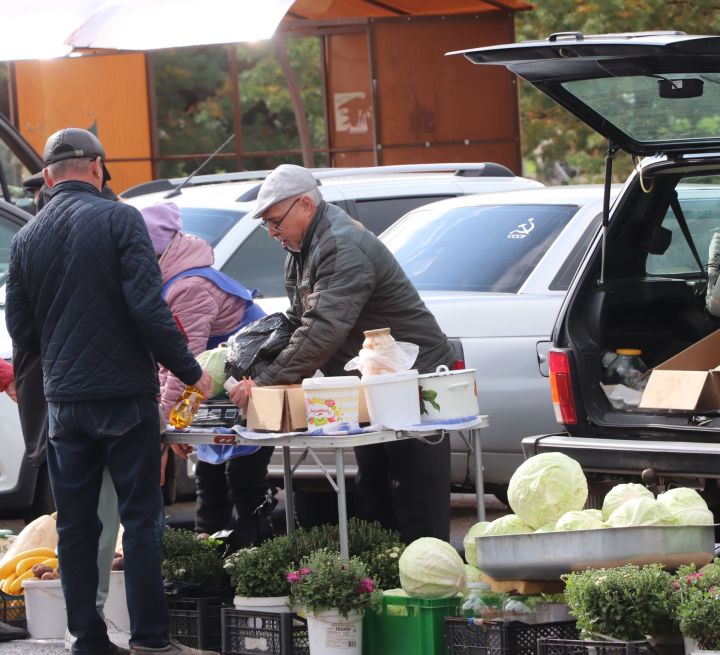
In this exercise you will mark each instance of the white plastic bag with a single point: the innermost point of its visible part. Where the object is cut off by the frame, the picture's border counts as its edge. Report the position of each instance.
(391, 358)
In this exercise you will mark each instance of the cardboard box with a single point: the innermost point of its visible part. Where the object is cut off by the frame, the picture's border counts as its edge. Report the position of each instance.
(688, 381)
(282, 409)
(278, 409)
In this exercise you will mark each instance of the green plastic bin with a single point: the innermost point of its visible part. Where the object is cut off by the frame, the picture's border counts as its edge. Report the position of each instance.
(408, 626)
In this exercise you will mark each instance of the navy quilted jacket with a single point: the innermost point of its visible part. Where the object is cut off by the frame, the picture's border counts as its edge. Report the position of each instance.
(84, 287)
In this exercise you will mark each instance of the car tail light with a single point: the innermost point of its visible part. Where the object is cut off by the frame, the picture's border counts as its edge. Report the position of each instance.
(561, 387)
(458, 365)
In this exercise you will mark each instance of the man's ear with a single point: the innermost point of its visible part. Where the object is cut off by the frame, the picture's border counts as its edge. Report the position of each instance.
(48, 180)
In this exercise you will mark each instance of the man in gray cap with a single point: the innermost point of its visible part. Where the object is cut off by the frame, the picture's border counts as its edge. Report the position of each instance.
(341, 281)
(84, 290)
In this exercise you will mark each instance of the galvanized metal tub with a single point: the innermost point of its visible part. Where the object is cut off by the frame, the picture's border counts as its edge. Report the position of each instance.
(548, 555)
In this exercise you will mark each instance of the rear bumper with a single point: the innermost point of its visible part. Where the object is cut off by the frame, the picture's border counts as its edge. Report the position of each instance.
(630, 457)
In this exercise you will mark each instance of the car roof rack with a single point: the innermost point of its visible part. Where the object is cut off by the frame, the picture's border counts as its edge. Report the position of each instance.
(480, 169)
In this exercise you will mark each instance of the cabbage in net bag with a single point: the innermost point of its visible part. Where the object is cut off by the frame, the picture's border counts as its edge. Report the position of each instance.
(213, 361)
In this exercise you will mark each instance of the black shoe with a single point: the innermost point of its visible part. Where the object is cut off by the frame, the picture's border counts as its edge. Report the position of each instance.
(8, 632)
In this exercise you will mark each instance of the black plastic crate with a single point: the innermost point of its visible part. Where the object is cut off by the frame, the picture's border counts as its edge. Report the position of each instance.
(12, 610)
(605, 647)
(502, 636)
(248, 633)
(196, 622)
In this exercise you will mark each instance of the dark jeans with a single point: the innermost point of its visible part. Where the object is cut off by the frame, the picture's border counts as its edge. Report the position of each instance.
(405, 485)
(84, 437)
(239, 485)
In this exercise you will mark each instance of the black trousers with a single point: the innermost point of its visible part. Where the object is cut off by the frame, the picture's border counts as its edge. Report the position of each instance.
(31, 404)
(231, 491)
(405, 485)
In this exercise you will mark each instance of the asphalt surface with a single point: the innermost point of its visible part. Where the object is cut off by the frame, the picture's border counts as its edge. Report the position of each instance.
(464, 514)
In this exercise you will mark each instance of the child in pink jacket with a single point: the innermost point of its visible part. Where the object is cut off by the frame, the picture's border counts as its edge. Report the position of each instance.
(7, 379)
(209, 307)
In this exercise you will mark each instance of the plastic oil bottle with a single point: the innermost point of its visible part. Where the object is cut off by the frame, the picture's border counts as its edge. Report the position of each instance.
(184, 410)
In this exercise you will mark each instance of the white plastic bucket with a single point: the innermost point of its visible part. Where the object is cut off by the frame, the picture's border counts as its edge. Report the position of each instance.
(271, 604)
(330, 633)
(392, 399)
(45, 609)
(448, 394)
(116, 609)
(332, 403)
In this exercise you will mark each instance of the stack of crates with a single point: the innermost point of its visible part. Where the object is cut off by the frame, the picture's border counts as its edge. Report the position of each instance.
(196, 622)
(247, 633)
(408, 626)
(12, 610)
(502, 636)
(606, 647)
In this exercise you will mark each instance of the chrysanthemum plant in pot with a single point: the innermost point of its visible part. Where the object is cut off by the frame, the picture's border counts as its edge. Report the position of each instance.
(334, 593)
(698, 607)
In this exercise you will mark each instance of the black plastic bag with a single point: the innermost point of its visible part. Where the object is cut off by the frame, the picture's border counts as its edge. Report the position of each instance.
(254, 347)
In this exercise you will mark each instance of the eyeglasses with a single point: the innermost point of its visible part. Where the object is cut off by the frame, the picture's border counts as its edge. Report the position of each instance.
(275, 225)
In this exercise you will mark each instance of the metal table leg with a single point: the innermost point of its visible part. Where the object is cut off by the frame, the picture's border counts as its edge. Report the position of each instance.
(289, 500)
(342, 503)
(479, 486)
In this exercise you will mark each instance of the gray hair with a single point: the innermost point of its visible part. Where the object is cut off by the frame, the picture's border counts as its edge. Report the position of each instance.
(62, 170)
(314, 195)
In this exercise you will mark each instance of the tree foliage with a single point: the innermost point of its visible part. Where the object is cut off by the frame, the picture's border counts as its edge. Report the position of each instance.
(558, 148)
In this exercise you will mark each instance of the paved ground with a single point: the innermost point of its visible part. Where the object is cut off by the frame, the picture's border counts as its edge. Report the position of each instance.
(464, 514)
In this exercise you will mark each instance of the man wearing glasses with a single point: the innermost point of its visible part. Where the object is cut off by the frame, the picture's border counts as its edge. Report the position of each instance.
(341, 281)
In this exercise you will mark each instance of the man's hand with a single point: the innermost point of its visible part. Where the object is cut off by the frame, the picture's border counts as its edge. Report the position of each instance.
(205, 384)
(241, 392)
(10, 390)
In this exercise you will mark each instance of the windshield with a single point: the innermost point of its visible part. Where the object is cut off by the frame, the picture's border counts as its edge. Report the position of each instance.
(634, 104)
(210, 224)
(485, 248)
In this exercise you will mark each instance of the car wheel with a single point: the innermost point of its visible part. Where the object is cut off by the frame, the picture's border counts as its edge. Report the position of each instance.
(169, 489)
(43, 501)
(318, 506)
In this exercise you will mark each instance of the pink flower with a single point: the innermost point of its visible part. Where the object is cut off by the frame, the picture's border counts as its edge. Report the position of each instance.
(305, 570)
(366, 586)
(293, 577)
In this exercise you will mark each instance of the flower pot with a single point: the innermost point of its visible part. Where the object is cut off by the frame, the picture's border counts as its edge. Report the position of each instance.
(330, 633)
(270, 604)
(668, 644)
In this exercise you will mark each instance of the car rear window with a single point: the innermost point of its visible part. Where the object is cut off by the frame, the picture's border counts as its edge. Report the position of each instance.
(483, 248)
(210, 224)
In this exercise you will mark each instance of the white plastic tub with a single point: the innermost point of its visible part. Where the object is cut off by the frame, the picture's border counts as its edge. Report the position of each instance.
(392, 399)
(332, 403)
(116, 609)
(448, 394)
(45, 609)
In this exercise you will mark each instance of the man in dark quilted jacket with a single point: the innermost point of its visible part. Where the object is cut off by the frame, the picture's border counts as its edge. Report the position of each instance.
(84, 290)
(341, 280)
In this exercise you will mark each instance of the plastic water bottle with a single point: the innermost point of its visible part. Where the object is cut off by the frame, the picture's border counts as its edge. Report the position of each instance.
(184, 411)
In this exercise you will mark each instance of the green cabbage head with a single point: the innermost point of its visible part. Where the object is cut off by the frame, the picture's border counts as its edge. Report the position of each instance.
(548, 527)
(546, 486)
(687, 506)
(640, 511)
(509, 524)
(620, 493)
(431, 568)
(472, 574)
(476, 530)
(582, 520)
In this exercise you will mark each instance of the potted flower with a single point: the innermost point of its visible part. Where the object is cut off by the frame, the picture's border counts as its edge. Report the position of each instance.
(698, 607)
(627, 603)
(334, 594)
(192, 567)
(259, 576)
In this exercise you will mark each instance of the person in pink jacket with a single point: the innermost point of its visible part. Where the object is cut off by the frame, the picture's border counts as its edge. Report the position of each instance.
(7, 379)
(209, 306)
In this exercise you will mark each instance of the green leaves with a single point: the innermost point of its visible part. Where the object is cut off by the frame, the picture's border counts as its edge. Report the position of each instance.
(428, 396)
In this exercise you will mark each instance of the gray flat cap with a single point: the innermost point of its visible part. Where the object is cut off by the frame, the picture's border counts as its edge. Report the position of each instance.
(286, 181)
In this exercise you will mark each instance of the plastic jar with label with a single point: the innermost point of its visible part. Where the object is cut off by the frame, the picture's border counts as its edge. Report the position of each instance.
(479, 601)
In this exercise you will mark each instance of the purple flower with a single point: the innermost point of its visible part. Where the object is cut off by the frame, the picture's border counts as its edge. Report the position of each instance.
(366, 586)
(293, 577)
(305, 570)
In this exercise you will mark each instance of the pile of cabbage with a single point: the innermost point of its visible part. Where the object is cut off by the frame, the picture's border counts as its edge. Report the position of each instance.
(547, 493)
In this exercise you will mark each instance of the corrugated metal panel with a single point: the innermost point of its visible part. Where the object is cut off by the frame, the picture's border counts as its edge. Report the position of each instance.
(105, 94)
(338, 9)
(437, 108)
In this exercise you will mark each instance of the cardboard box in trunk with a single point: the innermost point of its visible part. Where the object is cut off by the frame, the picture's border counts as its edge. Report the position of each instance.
(688, 381)
(282, 409)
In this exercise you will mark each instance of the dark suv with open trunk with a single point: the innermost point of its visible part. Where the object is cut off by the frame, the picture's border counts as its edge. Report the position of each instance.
(644, 280)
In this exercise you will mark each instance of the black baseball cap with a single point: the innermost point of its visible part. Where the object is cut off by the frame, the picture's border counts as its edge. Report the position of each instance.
(34, 181)
(74, 143)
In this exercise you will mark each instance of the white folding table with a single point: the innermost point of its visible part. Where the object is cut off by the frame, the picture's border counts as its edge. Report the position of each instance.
(194, 437)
